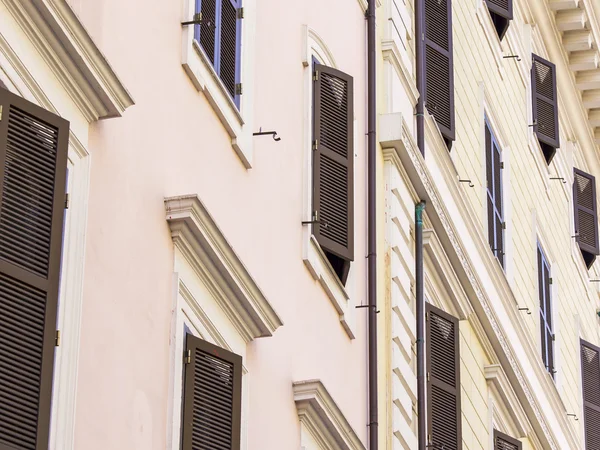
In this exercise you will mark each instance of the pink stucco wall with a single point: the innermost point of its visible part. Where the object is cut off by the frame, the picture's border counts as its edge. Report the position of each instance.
(171, 143)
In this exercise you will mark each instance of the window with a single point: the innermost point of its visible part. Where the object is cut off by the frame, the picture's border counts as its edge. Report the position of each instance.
(443, 380)
(494, 194)
(590, 368)
(333, 166)
(586, 215)
(219, 35)
(545, 106)
(505, 442)
(546, 329)
(33, 152)
(439, 65)
(502, 13)
(211, 396)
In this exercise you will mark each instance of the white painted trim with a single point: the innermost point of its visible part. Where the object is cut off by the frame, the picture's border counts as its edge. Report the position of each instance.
(342, 297)
(196, 311)
(198, 237)
(491, 36)
(237, 123)
(318, 411)
(61, 39)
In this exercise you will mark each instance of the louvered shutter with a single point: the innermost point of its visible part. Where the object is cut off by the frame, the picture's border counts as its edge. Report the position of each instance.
(33, 161)
(333, 171)
(212, 397)
(439, 66)
(443, 385)
(505, 442)
(590, 361)
(229, 61)
(545, 105)
(205, 34)
(586, 214)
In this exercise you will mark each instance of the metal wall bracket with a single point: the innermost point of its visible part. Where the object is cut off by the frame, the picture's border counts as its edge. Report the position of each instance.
(525, 309)
(517, 57)
(266, 133)
(559, 178)
(368, 306)
(198, 20)
(467, 181)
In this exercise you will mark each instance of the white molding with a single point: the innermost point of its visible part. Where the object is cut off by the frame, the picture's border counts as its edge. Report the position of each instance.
(198, 237)
(491, 35)
(391, 54)
(315, 260)
(319, 412)
(69, 51)
(237, 123)
(497, 380)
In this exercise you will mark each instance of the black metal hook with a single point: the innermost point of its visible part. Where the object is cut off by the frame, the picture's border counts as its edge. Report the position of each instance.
(265, 133)
(368, 306)
(517, 57)
(573, 415)
(525, 309)
(467, 181)
(559, 178)
(197, 20)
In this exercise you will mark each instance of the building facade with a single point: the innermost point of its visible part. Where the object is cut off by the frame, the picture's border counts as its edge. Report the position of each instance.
(183, 224)
(510, 234)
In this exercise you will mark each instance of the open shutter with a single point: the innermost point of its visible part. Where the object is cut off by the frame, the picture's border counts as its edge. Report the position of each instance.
(229, 64)
(33, 161)
(501, 12)
(205, 34)
(586, 214)
(505, 442)
(212, 397)
(333, 171)
(545, 105)
(439, 66)
(443, 385)
(590, 362)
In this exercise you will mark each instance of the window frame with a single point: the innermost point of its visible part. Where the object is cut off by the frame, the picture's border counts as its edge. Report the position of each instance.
(547, 346)
(495, 146)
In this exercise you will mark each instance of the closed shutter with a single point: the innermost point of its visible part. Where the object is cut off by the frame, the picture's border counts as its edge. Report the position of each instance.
(220, 38)
(443, 385)
(590, 361)
(494, 195)
(333, 171)
(586, 214)
(33, 161)
(439, 66)
(545, 105)
(212, 397)
(505, 442)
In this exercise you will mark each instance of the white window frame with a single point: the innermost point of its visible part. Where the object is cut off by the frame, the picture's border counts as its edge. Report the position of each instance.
(237, 123)
(342, 297)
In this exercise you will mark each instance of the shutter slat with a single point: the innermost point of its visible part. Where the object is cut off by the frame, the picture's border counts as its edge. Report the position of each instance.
(33, 159)
(443, 365)
(504, 442)
(205, 34)
(333, 170)
(586, 214)
(212, 397)
(439, 66)
(228, 46)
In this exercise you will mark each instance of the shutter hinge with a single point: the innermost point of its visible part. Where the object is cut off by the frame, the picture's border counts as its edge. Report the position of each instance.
(238, 89)
(427, 316)
(0, 112)
(67, 200)
(427, 376)
(316, 75)
(502, 165)
(315, 144)
(240, 13)
(57, 339)
(504, 225)
(188, 356)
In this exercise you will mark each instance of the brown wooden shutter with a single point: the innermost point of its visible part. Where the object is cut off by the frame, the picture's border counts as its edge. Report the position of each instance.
(545, 105)
(333, 167)
(212, 397)
(443, 380)
(586, 214)
(33, 162)
(590, 362)
(439, 65)
(504, 442)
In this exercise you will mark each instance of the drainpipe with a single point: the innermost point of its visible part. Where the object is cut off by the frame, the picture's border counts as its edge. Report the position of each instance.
(372, 231)
(420, 325)
(420, 63)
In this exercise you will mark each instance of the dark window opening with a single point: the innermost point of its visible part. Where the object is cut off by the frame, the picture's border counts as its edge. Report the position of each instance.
(340, 266)
(500, 23)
